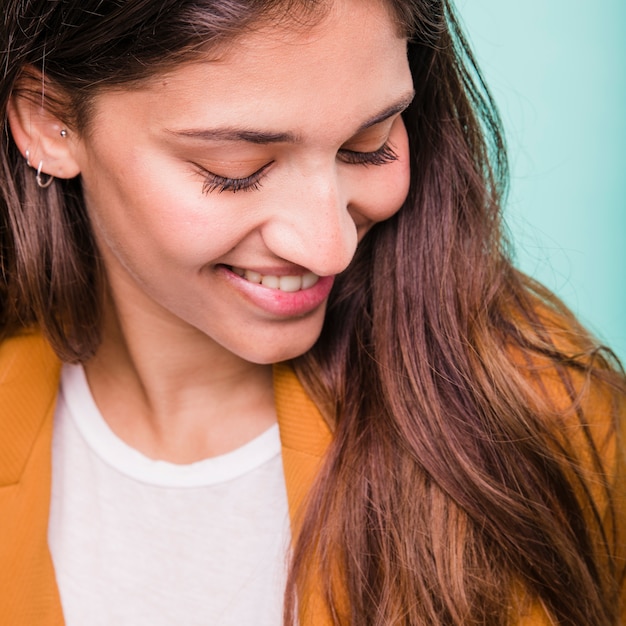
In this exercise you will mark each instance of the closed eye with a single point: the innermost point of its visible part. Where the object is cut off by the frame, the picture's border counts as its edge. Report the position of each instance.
(215, 182)
(385, 154)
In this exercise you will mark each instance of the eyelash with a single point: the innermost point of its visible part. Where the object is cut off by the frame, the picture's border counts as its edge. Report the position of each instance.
(385, 154)
(213, 182)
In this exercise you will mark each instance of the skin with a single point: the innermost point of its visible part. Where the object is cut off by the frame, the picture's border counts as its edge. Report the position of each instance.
(188, 345)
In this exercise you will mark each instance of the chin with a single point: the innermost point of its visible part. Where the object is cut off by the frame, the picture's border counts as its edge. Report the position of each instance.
(269, 352)
(277, 356)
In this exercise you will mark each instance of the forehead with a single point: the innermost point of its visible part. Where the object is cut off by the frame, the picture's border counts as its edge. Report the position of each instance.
(350, 61)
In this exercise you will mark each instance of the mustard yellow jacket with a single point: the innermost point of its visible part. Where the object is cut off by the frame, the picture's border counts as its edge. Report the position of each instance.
(29, 380)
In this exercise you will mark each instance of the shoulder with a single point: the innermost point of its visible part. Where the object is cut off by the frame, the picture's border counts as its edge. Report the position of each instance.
(576, 387)
(559, 365)
(577, 390)
(569, 393)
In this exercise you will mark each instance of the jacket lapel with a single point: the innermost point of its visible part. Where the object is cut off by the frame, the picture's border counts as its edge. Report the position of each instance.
(29, 380)
(305, 437)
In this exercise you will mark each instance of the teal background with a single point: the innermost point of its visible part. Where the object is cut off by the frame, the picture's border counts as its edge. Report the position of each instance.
(557, 70)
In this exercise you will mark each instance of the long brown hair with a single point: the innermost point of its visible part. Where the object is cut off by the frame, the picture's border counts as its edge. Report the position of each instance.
(476, 423)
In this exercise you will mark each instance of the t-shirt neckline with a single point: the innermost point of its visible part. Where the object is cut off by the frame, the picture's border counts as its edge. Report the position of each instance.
(127, 460)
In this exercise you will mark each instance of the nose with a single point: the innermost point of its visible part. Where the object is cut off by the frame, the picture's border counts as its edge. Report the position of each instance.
(313, 227)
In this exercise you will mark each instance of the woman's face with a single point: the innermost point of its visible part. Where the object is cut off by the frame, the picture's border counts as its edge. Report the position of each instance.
(226, 195)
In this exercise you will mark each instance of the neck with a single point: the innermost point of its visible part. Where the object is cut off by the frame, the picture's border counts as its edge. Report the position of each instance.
(172, 393)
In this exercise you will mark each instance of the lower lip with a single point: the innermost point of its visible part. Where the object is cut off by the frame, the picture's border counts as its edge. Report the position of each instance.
(282, 303)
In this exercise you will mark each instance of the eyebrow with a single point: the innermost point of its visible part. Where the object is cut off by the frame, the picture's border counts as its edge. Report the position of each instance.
(267, 137)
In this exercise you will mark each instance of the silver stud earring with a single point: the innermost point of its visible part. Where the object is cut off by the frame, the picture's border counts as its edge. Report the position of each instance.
(63, 133)
(43, 183)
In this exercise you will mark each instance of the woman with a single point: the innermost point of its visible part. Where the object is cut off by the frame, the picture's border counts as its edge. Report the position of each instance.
(209, 208)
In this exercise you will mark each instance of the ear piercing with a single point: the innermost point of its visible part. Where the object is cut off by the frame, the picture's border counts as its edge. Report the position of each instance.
(63, 133)
(41, 182)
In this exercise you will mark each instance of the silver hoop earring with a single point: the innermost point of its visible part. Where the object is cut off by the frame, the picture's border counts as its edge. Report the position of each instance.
(28, 157)
(43, 183)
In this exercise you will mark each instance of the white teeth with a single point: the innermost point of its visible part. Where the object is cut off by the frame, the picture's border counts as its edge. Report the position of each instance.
(290, 283)
(284, 283)
(273, 282)
(253, 277)
(309, 279)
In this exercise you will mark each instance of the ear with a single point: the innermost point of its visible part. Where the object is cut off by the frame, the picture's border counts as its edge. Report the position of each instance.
(37, 129)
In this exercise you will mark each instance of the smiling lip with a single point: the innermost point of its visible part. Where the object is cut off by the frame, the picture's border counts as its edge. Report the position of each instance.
(284, 295)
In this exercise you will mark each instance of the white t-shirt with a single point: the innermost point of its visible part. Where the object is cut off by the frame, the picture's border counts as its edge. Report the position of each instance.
(138, 542)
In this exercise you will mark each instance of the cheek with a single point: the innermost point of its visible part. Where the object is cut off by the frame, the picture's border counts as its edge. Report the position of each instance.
(157, 215)
(385, 188)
